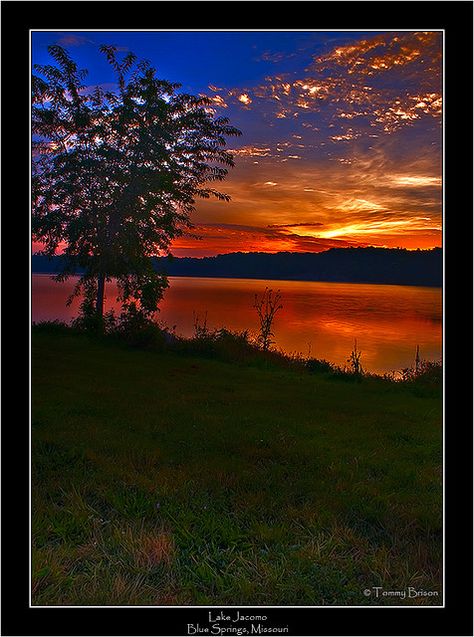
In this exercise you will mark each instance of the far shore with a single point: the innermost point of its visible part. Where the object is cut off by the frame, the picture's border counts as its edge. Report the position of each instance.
(381, 266)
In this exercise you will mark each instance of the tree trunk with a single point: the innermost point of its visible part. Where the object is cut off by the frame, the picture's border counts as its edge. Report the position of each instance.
(100, 299)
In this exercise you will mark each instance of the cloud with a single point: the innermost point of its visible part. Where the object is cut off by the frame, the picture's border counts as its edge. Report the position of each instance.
(274, 57)
(251, 151)
(218, 101)
(386, 82)
(72, 39)
(244, 99)
(294, 225)
(385, 52)
(388, 193)
(415, 181)
(223, 238)
(351, 145)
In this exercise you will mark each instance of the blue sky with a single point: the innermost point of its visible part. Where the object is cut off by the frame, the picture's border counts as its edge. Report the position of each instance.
(198, 58)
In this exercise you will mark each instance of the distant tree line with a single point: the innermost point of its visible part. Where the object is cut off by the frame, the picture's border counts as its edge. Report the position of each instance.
(395, 266)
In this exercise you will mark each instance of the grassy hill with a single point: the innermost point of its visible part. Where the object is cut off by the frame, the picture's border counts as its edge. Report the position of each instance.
(166, 479)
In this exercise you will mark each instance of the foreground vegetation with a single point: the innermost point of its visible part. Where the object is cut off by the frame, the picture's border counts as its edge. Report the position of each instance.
(162, 474)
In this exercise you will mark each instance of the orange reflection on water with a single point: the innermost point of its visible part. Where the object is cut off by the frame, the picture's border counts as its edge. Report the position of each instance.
(318, 318)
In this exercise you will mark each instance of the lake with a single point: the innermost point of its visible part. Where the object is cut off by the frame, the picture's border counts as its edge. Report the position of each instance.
(318, 319)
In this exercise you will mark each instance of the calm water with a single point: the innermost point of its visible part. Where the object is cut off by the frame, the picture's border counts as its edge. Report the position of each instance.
(320, 319)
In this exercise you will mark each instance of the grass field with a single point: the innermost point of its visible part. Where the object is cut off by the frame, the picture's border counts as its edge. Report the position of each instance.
(167, 479)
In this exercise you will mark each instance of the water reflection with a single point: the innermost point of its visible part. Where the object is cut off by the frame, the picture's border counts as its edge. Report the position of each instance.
(322, 319)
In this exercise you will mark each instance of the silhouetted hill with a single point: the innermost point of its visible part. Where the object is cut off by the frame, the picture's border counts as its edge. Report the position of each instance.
(355, 265)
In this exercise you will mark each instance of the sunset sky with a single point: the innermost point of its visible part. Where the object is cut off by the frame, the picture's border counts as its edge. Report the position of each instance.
(342, 132)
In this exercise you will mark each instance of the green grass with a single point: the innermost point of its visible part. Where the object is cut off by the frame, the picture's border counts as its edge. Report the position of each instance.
(167, 479)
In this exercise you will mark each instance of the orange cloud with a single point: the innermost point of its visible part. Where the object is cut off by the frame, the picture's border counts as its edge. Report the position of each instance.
(384, 52)
(223, 238)
(244, 99)
(362, 198)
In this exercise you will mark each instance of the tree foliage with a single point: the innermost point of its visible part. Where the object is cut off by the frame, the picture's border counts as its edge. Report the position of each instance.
(116, 173)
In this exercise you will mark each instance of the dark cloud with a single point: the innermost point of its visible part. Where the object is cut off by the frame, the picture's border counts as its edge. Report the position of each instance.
(294, 225)
(269, 56)
(72, 39)
(221, 238)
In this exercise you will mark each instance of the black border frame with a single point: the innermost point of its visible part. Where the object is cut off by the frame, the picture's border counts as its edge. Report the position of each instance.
(456, 18)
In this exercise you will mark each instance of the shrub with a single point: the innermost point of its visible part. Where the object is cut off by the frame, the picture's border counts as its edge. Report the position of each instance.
(426, 373)
(137, 330)
(319, 366)
(57, 327)
(222, 343)
(92, 322)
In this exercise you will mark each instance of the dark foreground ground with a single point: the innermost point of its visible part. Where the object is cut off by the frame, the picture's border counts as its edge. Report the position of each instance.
(166, 479)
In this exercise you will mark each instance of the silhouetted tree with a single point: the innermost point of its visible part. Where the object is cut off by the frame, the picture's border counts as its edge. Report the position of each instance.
(267, 306)
(116, 173)
(417, 359)
(354, 361)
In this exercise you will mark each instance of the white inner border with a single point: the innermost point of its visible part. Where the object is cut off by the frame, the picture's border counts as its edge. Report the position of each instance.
(31, 31)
